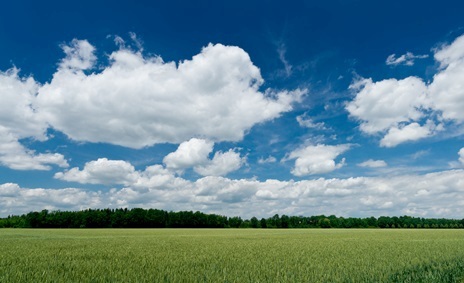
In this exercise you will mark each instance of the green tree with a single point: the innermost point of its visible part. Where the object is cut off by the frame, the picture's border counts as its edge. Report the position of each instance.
(254, 222)
(263, 223)
(284, 221)
(235, 222)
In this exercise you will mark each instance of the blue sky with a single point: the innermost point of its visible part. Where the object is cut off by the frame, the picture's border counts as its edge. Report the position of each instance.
(351, 108)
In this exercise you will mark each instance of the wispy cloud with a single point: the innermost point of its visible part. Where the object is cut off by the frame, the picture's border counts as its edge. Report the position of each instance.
(269, 159)
(282, 51)
(419, 154)
(405, 59)
(373, 163)
(307, 122)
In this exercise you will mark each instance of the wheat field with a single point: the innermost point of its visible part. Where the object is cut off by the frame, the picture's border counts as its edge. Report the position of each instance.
(231, 255)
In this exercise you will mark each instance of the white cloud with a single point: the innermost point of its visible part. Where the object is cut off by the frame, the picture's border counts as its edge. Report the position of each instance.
(306, 122)
(317, 159)
(17, 200)
(79, 55)
(9, 190)
(221, 164)
(158, 177)
(119, 172)
(101, 171)
(449, 54)
(139, 101)
(17, 113)
(282, 50)
(189, 154)
(396, 108)
(461, 155)
(194, 154)
(15, 156)
(410, 132)
(447, 87)
(373, 163)
(382, 105)
(419, 154)
(405, 59)
(269, 159)
(136, 101)
(439, 194)
(18, 120)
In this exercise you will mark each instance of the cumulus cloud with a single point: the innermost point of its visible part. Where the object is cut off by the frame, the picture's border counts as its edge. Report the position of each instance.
(158, 177)
(221, 164)
(449, 54)
(16, 200)
(398, 108)
(382, 105)
(461, 155)
(139, 101)
(17, 112)
(16, 156)
(19, 120)
(136, 101)
(447, 87)
(9, 190)
(439, 194)
(189, 154)
(195, 154)
(101, 171)
(405, 59)
(371, 163)
(410, 132)
(79, 55)
(119, 172)
(317, 159)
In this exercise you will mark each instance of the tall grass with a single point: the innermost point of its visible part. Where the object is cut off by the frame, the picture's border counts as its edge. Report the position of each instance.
(229, 255)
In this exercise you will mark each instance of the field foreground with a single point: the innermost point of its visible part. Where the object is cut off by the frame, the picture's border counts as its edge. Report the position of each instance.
(229, 255)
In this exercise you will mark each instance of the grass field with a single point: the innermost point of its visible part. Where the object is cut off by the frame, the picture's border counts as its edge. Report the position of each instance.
(229, 255)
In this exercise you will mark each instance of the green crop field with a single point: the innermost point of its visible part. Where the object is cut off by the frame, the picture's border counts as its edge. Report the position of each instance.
(230, 255)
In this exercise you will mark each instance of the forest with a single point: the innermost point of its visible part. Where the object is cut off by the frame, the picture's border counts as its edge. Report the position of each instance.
(155, 218)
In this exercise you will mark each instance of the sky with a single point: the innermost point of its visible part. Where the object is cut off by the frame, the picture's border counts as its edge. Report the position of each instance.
(239, 108)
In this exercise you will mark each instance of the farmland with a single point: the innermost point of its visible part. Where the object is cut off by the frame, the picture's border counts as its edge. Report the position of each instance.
(231, 255)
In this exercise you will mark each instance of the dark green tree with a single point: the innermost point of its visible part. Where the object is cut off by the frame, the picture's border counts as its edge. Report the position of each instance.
(263, 223)
(254, 222)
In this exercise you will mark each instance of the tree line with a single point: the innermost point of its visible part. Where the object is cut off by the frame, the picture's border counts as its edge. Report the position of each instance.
(155, 218)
